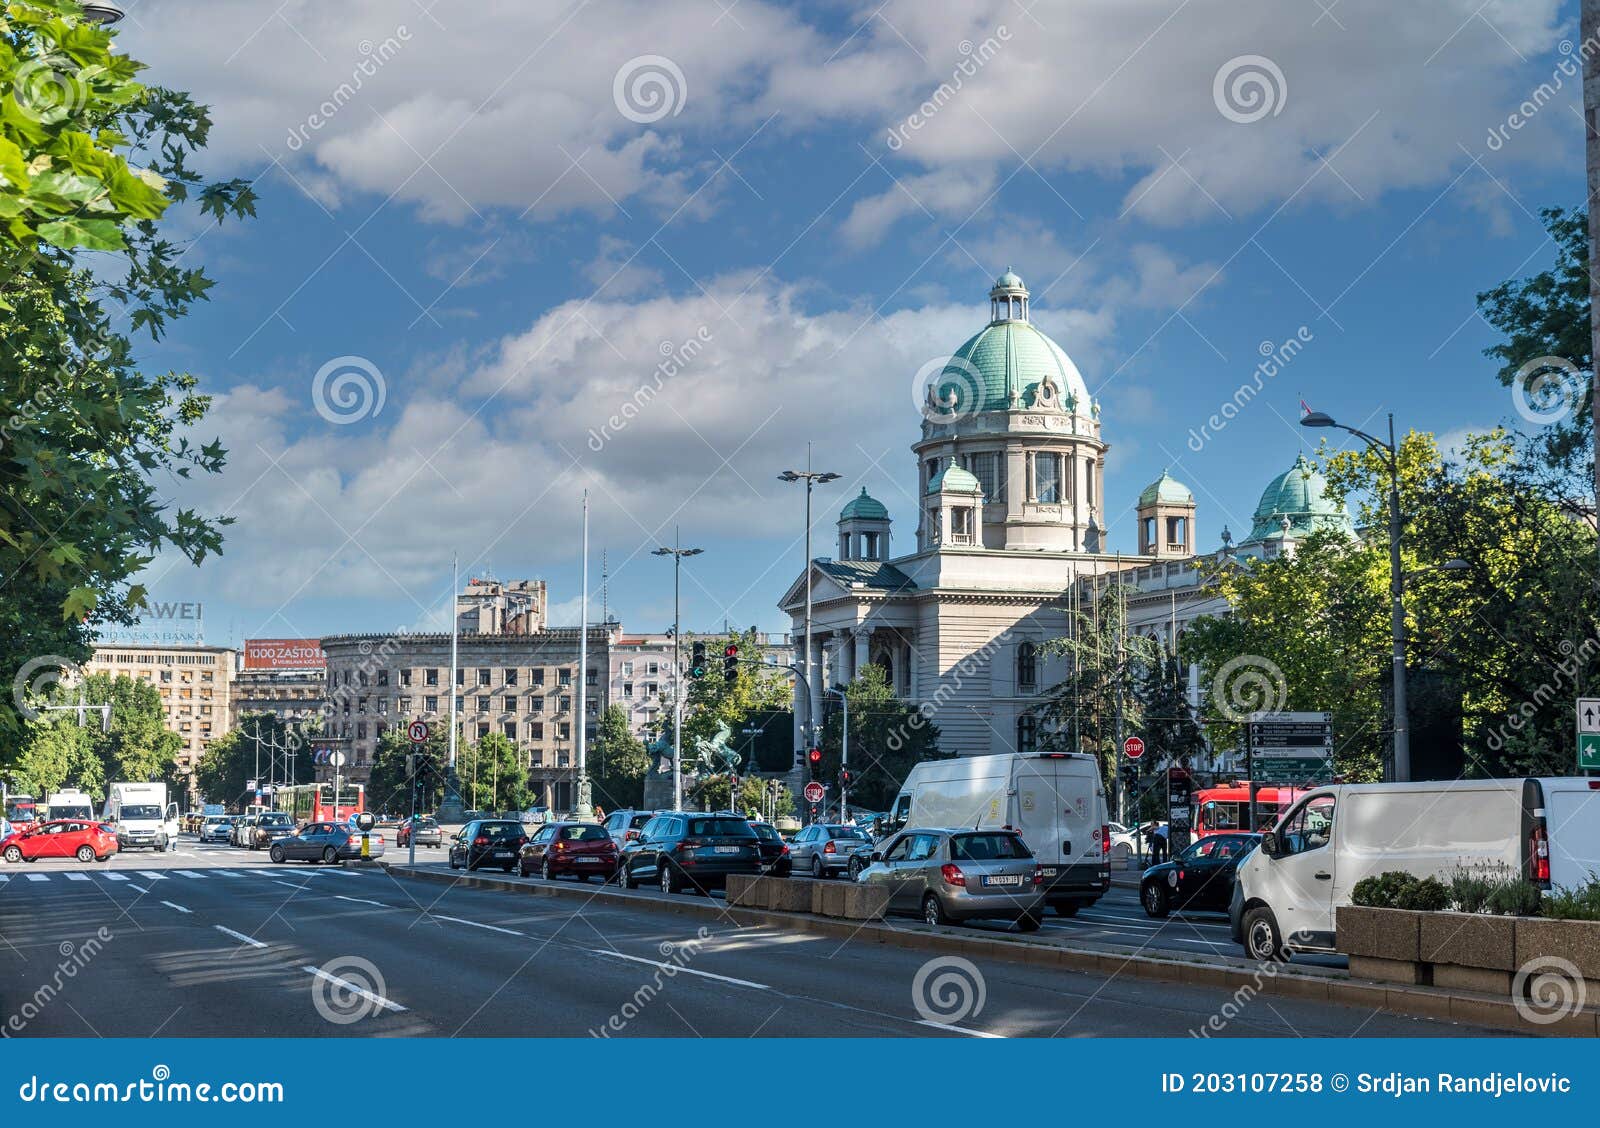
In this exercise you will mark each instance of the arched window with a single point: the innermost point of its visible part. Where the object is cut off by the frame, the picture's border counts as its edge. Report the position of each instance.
(1027, 734)
(1027, 667)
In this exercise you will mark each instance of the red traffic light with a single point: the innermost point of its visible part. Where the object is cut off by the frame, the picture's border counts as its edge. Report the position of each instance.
(730, 651)
(815, 755)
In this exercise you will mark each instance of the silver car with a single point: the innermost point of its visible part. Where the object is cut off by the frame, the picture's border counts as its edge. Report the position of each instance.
(824, 849)
(217, 828)
(955, 875)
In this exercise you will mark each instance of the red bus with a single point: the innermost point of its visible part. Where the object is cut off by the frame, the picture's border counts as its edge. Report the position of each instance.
(1227, 807)
(313, 802)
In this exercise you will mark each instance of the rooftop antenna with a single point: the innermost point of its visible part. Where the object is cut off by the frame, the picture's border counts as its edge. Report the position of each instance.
(605, 593)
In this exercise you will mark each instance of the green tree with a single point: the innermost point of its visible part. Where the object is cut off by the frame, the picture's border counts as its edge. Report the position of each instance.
(492, 774)
(711, 702)
(617, 761)
(90, 160)
(1171, 733)
(888, 737)
(389, 788)
(236, 757)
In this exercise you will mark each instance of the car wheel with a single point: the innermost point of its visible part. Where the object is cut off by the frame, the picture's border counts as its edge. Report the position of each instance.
(856, 866)
(1030, 922)
(933, 910)
(816, 868)
(329, 855)
(86, 854)
(666, 878)
(1155, 900)
(544, 870)
(453, 860)
(1262, 940)
(161, 842)
(625, 878)
(276, 854)
(1066, 908)
(13, 854)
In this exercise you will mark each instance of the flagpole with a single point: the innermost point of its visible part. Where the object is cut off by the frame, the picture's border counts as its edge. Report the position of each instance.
(584, 808)
(450, 809)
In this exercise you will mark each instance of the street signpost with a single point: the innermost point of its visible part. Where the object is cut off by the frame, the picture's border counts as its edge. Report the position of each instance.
(1133, 747)
(814, 793)
(1287, 748)
(418, 732)
(1589, 734)
(1180, 807)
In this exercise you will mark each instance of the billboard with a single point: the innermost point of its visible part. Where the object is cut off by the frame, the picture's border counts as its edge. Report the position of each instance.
(283, 654)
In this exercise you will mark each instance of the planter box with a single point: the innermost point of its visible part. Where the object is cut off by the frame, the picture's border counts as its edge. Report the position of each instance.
(1409, 972)
(1483, 980)
(1386, 934)
(1469, 940)
(787, 895)
(1577, 941)
(748, 892)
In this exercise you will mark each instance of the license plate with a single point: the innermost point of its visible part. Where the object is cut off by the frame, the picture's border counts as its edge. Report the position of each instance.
(588, 859)
(1003, 879)
(1049, 871)
(726, 849)
(502, 853)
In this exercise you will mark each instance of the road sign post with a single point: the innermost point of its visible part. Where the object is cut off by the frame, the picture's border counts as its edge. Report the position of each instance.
(815, 793)
(1287, 748)
(1133, 747)
(1589, 734)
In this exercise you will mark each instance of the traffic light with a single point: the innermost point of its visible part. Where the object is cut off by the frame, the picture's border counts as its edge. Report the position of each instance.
(845, 777)
(730, 663)
(697, 664)
(814, 758)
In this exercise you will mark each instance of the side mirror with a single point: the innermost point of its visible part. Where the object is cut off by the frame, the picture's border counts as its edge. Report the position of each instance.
(1269, 844)
(875, 856)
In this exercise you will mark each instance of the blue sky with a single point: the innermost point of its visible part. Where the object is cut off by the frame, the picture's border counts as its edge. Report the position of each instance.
(509, 242)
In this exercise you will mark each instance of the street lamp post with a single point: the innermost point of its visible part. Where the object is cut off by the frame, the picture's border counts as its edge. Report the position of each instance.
(1397, 582)
(844, 755)
(810, 478)
(677, 553)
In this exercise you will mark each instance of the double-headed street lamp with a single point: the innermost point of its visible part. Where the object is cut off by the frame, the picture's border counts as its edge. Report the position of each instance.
(677, 553)
(811, 478)
(1397, 581)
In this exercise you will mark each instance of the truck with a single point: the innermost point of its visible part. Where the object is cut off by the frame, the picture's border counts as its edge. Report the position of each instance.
(69, 803)
(143, 816)
(1055, 800)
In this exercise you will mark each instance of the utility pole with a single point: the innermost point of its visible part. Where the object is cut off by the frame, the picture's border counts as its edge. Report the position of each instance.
(1589, 29)
(813, 696)
(677, 552)
(450, 810)
(584, 809)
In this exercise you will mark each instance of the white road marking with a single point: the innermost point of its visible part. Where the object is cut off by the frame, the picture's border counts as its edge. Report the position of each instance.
(4, 877)
(189, 873)
(170, 905)
(77, 877)
(681, 970)
(362, 901)
(959, 1029)
(153, 875)
(113, 877)
(229, 873)
(38, 877)
(140, 888)
(377, 1000)
(241, 937)
(475, 924)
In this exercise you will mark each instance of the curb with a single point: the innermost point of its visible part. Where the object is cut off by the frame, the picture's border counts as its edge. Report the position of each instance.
(1323, 985)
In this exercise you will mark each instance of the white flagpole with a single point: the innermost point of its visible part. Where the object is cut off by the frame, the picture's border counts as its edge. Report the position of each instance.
(584, 807)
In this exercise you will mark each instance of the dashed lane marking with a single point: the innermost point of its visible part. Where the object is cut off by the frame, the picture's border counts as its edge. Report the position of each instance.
(362, 992)
(239, 936)
(677, 969)
(180, 908)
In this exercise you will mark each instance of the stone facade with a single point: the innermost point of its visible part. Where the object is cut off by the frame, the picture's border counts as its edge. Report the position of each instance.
(195, 683)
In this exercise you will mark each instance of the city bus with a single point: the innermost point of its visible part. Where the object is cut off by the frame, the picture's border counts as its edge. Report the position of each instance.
(21, 809)
(1227, 807)
(314, 802)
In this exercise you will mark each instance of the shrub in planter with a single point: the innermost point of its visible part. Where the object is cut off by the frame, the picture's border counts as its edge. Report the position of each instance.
(1427, 895)
(1515, 898)
(1399, 890)
(1582, 903)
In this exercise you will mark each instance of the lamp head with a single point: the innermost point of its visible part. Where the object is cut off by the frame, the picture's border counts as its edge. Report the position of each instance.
(788, 476)
(1317, 419)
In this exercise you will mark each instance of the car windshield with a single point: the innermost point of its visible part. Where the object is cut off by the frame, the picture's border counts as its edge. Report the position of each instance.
(585, 834)
(639, 820)
(767, 833)
(141, 811)
(277, 818)
(736, 827)
(987, 847)
(426, 823)
(846, 832)
(500, 830)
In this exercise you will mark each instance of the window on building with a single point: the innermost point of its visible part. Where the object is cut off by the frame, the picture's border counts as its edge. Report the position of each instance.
(430, 677)
(652, 689)
(461, 706)
(564, 676)
(987, 468)
(483, 729)
(1027, 667)
(383, 677)
(627, 690)
(510, 675)
(591, 678)
(566, 731)
(461, 677)
(961, 524)
(510, 728)
(535, 704)
(1027, 735)
(483, 704)
(653, 669)
(536, 730)
(483, 675)
(511, 703)
(361, 677)
(430, 704)
(405, 705)
(1046, 477)
(538, 676)
(166, 676)
(538, 758)
(405, 677)
(566, 706)
(627, 669)
(383, 706)
(361, 729)
(361, 704)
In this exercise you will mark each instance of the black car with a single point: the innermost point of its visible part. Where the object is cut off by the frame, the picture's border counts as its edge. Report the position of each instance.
(488, 842)
(1199, 878)
(684, 849)
(774, 850)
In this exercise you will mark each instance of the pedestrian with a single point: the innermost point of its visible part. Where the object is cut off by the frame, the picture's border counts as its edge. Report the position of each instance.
(599, 813)
(1158, 844)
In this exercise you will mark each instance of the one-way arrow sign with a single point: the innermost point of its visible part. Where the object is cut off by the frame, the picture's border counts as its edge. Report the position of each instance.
(1589, 714)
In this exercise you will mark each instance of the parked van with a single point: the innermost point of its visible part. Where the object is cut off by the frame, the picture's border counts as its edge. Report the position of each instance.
(1055, 800)
(69, 804)
(1546, 830)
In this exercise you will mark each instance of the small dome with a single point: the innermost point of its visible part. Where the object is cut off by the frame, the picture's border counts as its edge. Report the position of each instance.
(865, 507)
(1008, 281)
(1166, 489)
(1295, 503)
(953, 479)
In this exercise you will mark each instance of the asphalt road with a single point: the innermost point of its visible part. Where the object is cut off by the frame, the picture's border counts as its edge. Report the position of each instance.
(218, 941)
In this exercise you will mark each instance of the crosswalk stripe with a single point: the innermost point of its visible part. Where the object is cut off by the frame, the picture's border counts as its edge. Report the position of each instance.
(38, 877)
(153, 875)
(113, 877)
(5, 877)
(189, 873)
(77, 877)
(228, 873)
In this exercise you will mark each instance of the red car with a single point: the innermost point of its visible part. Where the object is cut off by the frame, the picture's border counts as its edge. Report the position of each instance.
(66, 838)
(582, 849)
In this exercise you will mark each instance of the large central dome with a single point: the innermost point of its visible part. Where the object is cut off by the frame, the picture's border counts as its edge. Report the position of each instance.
(1011, 364)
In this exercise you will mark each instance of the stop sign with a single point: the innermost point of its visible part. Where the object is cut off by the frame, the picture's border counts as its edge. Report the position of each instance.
(814, 792)
(1133, 747)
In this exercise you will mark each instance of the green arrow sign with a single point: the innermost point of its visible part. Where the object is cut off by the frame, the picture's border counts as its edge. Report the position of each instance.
(1589, 751)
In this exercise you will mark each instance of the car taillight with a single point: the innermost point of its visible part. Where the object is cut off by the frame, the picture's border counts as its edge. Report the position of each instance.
(1540, 849)
(480, 841)
(952, 874)
(1105, 839)
(629, 835)
(1038, 875)
(561, 845)
(829, 849)
(786, 849)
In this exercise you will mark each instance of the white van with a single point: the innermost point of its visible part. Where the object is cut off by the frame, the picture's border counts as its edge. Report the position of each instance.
(1054, 799)
(143, 818)
(69, 804)
(1547, 830)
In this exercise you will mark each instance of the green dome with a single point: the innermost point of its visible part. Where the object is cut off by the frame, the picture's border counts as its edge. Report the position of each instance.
(953, 479)
(1009, 359)
(1299, 494)
(1166, 489)
(1008, 281)
(865, 508)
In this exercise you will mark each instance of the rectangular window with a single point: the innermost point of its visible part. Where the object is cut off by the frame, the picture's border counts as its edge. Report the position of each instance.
(986, 468)
(430, 677)
(564, 676)
(510, 728)
(960, 524)
(511, 676)
(405, 677)
(627, 669)
(536, 730)
(511, 704)
(627, 690)
(591, 678)
(566, 731)
(405, 705)
(460, 704)
(461, 677)
(430, 704)
(483, 704)
(653, 669)
(1047, 477)
(538, 677)
(483, 676)
(483, 729)
(383, 677)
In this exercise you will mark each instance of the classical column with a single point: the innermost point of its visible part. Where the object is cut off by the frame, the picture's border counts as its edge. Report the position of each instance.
(862, 657)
